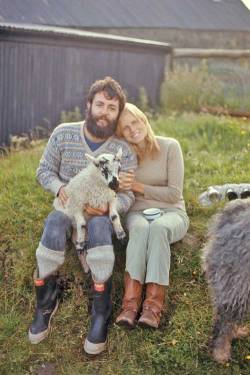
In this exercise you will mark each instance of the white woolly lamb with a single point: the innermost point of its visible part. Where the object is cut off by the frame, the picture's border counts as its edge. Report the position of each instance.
(93, 186)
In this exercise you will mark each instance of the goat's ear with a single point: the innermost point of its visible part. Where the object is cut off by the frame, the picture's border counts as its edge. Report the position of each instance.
(119, 154)
(90, 158)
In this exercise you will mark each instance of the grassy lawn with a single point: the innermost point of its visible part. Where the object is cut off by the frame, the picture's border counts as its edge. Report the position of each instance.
(216, 151)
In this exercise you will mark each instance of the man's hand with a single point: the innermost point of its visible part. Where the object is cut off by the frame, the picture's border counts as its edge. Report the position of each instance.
(63, 197)
(126, 180)
(97, 211)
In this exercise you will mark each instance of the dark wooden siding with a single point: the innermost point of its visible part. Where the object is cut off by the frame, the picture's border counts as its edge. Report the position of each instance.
(41, 76)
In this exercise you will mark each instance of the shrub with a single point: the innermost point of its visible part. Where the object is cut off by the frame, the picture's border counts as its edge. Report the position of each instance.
(190, 88)
(143, 102)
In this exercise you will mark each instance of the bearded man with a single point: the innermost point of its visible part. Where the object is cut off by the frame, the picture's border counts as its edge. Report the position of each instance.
(63, 158)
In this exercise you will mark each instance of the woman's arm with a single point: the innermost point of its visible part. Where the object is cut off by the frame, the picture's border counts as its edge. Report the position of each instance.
(175, 172)
(172, 192)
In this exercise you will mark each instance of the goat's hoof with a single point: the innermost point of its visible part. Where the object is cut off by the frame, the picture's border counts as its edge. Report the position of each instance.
(121, 235)
(82, 257)
(80, 246)
(84, 263)
(241, 331)
(221, 355)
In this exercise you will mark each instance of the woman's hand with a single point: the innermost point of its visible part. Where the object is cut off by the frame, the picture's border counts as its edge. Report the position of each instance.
(126, 180)
(97, 211)
(137, 187)
(62, 196)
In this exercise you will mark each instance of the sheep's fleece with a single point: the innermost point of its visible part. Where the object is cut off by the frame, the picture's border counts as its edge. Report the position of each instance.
(93, 186)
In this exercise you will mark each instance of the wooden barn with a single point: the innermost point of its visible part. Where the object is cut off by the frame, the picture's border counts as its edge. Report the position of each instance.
(45, 70)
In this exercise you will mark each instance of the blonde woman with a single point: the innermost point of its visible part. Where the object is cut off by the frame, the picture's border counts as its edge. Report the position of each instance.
(157, 183)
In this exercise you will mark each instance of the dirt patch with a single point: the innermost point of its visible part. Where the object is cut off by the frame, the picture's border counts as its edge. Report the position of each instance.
(46, 369)
(192, 240)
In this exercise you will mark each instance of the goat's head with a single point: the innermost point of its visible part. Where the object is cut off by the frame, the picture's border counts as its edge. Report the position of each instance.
(109, 166)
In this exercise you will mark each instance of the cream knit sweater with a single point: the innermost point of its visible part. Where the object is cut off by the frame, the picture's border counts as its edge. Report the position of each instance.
(163, 178)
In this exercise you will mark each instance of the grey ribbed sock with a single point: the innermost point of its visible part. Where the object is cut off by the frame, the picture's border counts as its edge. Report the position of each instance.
(101, 260)
(48, 261)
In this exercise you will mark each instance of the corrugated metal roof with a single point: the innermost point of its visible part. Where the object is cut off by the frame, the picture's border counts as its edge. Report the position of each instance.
(83, 34)
(183, 14)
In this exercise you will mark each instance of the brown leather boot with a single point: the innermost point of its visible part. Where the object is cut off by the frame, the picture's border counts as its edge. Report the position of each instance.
(131, 302)
(153, 305)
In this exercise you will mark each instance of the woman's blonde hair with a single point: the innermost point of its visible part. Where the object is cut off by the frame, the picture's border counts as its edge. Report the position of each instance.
(151, 146)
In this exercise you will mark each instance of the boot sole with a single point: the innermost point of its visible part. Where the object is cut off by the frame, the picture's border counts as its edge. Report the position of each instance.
(146, 325)
(94, 349)
(36, 338)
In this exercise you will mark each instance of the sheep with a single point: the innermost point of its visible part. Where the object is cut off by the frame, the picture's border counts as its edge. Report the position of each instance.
(95, 186)
(226, 262)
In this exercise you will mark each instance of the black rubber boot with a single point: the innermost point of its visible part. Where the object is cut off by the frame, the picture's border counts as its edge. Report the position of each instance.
(100, 316)
(47, 304)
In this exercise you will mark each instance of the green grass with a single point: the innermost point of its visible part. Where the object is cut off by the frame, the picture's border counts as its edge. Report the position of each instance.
(216, 151)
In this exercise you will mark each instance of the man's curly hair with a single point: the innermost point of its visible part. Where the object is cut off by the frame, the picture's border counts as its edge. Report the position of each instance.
(111, 88)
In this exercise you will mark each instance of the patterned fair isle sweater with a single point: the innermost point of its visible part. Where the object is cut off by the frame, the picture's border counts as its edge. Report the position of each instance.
(64, 157)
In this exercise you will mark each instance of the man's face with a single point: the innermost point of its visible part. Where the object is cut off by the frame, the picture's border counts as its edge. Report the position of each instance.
(102, 115)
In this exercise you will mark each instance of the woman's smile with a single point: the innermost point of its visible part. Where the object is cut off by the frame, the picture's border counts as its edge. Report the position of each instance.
(133, 130)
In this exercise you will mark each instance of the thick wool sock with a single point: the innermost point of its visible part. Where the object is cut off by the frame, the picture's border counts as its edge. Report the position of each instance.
(101, 260)
(48, 261)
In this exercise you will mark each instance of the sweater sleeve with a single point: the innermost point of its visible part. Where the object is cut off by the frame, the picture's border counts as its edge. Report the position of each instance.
(126, 199)
(48, 171)
(171, 193)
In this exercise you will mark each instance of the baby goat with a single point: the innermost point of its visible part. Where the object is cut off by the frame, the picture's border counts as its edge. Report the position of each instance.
(94, 186)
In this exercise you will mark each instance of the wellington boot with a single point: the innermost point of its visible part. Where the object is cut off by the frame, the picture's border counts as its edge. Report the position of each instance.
(47, 304)
(95, 342)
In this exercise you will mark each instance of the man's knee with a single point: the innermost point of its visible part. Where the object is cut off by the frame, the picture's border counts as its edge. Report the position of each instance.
(100, 231)
(55, 230)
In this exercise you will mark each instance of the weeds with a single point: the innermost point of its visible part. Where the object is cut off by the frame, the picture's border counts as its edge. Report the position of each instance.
(190, 88)
(196, 87)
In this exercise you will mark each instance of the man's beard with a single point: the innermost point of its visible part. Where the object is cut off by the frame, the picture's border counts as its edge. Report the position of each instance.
(97, 131)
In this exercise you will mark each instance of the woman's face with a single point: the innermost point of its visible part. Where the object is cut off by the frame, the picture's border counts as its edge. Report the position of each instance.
(132, 129)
